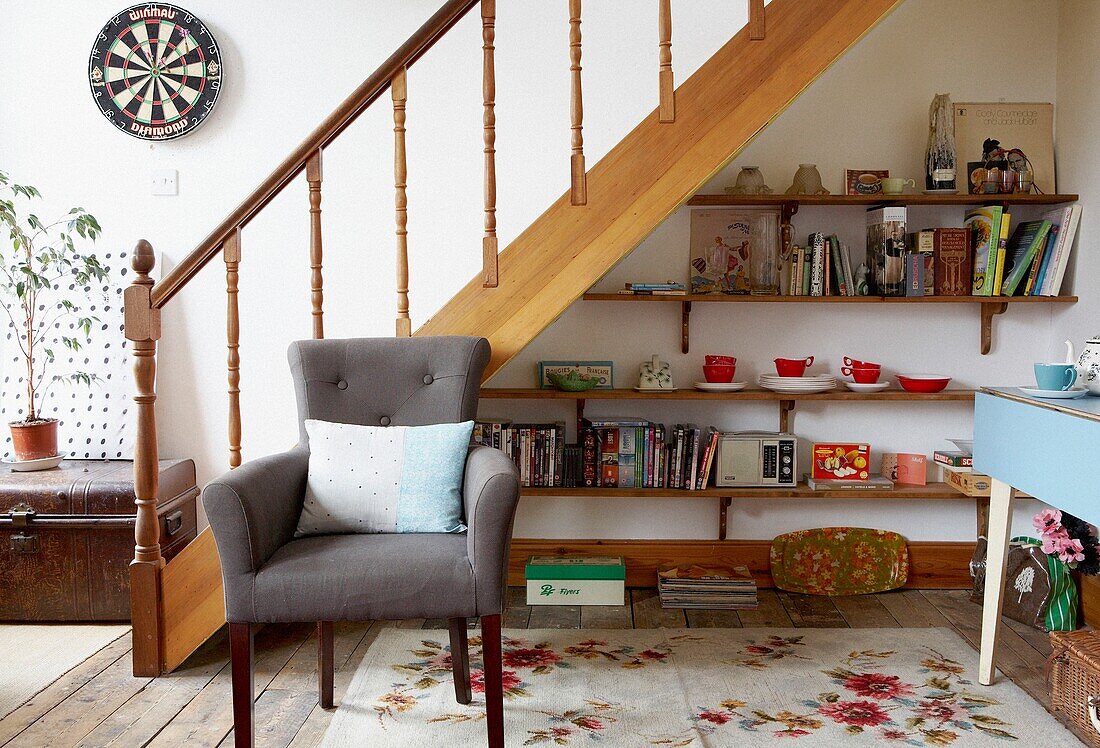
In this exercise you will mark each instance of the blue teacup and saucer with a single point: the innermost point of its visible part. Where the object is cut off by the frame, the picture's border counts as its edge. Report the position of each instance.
(1056, 381)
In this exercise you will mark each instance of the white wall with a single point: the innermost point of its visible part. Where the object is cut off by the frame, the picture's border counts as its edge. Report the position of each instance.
(288, 64)
(1078, 161)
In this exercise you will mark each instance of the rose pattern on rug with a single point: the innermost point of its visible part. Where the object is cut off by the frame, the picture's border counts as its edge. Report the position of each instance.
(569, 688)
(932, 713)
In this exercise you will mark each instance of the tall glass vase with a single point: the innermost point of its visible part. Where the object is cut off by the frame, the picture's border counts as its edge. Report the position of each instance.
(764, 259)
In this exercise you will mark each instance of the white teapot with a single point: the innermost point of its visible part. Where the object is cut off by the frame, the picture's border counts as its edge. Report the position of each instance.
(1088, 363)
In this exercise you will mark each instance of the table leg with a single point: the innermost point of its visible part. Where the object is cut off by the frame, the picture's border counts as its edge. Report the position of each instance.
(996, 562)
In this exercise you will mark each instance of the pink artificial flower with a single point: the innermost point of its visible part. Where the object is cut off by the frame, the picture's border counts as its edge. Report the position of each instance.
(1047, 520)
(1070, 551)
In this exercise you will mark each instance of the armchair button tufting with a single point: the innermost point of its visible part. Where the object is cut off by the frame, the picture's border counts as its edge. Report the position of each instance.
(428, 379)
(384, 420)
(342, 385)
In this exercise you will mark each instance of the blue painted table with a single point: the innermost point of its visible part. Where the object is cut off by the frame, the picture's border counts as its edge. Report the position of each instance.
(1047, 448)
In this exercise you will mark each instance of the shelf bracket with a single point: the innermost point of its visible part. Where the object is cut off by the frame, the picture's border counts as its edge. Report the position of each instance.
(685, 325)
(990, 309)
(786, 414)
(723, 509)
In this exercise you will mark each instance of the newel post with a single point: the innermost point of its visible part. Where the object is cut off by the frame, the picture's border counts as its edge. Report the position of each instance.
(142, 324)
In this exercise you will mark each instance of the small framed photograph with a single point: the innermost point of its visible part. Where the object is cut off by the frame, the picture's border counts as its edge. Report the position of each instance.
(602, 370)
(864, 181)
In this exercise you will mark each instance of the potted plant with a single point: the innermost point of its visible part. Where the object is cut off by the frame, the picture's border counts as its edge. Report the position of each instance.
(46, 281)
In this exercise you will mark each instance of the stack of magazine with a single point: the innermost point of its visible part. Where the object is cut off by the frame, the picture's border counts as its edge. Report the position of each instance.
(711, 587)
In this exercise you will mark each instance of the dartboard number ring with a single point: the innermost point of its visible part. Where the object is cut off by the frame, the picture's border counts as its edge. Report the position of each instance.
(155, 71)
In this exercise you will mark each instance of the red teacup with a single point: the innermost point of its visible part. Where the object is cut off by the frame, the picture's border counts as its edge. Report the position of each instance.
(857, 363)
(720, 360)
(862, 374)
(719, 373)
(793, 367)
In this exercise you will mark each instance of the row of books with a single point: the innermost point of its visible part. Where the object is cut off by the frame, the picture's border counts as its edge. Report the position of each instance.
(714, 588)
(634, 453)
(822, 268)
(985, 258)
(1030, 261)
(538, 449)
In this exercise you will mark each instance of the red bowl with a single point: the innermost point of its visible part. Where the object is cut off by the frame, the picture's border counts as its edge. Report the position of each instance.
(923, 382)
(719, 373)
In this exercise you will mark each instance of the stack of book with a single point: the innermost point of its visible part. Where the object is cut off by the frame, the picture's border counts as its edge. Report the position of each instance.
(716, 588)
(538, 449)
(668, 288)
(1032, 262)
(958, 472)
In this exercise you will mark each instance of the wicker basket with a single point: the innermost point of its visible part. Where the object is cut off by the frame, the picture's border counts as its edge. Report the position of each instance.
(1075, 681)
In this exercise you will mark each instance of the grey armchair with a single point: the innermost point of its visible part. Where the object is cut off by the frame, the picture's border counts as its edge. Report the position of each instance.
(271, 576)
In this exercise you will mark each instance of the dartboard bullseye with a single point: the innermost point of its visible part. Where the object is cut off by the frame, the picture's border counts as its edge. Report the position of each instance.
(155, 71)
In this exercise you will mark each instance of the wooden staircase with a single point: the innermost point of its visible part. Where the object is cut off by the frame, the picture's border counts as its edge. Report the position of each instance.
(697, 129)
(653, 170)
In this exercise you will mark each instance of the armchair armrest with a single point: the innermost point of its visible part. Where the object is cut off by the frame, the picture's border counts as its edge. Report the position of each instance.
(254, 509)
(490, 493)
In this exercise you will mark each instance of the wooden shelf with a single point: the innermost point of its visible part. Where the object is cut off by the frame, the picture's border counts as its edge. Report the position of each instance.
(504, 393)
(868, 200)
(931, 492)
(749, 299)
(990, 306)
(785, 400)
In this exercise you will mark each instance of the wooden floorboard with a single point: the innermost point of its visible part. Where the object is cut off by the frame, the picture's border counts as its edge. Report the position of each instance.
(99, 703)
(58, 691)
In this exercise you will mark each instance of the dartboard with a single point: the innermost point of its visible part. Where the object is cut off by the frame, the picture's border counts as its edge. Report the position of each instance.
(155, 71)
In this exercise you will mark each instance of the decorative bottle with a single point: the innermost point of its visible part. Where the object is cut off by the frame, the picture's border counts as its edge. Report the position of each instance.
(940, 160)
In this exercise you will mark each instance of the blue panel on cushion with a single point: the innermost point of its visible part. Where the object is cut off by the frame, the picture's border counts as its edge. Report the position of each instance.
(431, 478)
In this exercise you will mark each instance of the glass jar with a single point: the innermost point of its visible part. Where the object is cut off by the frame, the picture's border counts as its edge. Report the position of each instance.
(764, 259)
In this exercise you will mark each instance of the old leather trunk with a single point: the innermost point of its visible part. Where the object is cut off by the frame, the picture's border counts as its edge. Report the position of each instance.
(67, 537)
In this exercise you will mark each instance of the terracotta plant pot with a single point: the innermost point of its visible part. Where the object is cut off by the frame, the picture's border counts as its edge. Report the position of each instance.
(36, 440)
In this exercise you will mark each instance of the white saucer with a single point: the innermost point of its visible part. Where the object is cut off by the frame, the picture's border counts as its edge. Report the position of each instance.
(1070, 394)
(654, 389)
(862, 387)
(30, 466)
(720, 386)
(939, 192)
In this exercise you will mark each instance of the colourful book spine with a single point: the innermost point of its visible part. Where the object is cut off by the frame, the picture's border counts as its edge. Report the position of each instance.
(985, 230)
(1048, 258)
(817, 271)
(807, 268)
(1002, 248)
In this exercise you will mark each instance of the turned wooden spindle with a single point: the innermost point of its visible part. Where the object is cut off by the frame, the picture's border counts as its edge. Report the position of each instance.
(142, 328)
(667, 112)
(231, 254)
(399, 93)
(316, 280)
(489, 93)
(578, 189)
(756, 19)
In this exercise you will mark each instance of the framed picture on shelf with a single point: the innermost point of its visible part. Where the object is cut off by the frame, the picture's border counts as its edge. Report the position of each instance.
(1027, 126)
(721, 240)
(602, 370)
(864, 181)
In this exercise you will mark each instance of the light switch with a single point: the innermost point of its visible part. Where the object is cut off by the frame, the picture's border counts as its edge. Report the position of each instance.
(164, 182)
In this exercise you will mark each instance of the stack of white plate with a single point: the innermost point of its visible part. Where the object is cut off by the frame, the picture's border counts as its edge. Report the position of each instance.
(797, 385)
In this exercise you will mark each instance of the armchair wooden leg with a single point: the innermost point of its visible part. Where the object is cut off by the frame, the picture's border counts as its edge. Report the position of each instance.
(240, 656)
(460, 660)
(325, 664)
(494, 687)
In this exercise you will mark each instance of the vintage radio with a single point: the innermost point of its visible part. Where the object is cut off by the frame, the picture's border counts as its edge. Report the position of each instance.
(757, 458)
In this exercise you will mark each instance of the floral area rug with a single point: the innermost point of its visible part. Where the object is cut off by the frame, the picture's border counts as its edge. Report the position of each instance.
(697, 687)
